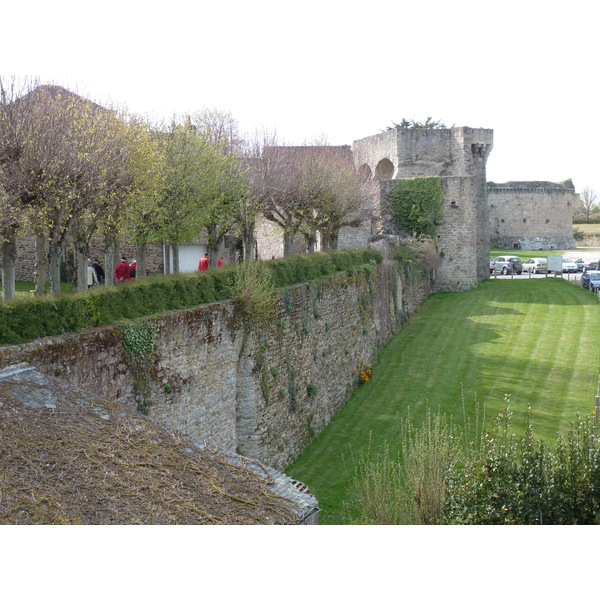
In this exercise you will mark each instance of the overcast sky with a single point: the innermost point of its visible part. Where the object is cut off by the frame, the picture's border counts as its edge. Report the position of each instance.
(338, 70)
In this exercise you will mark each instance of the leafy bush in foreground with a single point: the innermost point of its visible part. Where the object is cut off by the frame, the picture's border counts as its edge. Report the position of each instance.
(523, 482)
(500, 480)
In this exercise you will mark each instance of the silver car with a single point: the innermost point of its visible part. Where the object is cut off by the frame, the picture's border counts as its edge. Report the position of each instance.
(508, 264)
(587, 264)
(568, 266)
(536, 265)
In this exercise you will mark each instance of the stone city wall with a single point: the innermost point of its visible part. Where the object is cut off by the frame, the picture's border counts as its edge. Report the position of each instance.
(265, 393)
(531, 215)
(406, 153)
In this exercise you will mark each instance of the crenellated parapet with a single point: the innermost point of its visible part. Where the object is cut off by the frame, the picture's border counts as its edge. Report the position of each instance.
(405, 153)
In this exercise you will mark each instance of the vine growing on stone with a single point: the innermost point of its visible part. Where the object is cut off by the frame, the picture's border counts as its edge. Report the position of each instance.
(417, 204)
(139, 339)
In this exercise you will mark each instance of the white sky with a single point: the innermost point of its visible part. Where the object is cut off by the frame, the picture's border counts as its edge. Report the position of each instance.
(336, 69)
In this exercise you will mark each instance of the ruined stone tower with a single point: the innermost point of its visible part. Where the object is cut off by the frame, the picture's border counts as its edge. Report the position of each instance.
(458, 155)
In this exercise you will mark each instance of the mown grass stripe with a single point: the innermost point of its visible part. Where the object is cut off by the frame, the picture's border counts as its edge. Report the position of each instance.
(533, 339)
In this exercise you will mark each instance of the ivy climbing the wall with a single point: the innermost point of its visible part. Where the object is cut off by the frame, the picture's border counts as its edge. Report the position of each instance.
(417, 204)
(139, 338)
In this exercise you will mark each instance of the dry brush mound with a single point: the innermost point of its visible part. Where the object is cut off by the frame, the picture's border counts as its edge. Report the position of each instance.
(68, 457)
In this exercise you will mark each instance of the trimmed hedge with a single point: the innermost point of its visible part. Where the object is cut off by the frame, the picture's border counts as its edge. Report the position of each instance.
(23, 320)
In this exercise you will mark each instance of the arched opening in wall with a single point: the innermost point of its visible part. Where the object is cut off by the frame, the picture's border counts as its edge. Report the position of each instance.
(365, 173)
(384, 170)
(516, 246)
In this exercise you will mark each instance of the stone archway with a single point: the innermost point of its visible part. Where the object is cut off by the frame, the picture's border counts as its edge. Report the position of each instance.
(384, 170)
(365, 173)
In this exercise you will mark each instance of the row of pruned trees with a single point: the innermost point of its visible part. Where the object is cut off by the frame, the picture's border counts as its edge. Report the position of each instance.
(71, 169)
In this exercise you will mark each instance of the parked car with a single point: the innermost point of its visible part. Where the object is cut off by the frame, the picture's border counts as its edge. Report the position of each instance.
(509, 264)
(568, 266)
(536, 265)
(587, 264)
(591, 279)
(492, 265)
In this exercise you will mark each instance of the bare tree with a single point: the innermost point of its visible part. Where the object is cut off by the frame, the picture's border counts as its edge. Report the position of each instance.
(589, 199)
(336, 194)
(281, 179)
(258, 174)
(220, 127)
(312, 190)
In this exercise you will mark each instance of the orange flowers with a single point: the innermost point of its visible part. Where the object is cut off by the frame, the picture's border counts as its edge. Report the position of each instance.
(364, 372)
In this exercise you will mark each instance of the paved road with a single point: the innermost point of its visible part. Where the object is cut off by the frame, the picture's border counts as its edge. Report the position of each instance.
(576, 253)
(567, 276)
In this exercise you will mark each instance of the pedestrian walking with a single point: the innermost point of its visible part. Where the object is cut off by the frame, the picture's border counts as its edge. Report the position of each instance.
(100, 275)
(203, 264)
(122, 271)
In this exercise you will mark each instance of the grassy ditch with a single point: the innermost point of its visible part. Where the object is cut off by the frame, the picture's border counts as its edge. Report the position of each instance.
(534, 340)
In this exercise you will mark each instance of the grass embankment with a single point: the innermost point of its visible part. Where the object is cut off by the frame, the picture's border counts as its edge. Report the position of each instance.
(536, 340)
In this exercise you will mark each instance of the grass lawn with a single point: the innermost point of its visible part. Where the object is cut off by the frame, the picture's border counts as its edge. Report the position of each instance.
(533, 339)
(525, 255)
(26, 288)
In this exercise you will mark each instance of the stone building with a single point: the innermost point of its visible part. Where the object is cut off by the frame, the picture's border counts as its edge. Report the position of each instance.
(458, 155)
(531, 215)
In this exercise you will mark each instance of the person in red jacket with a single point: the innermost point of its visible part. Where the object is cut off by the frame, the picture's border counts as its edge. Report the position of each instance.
(220, 262)
(122, 270)
(203, 264)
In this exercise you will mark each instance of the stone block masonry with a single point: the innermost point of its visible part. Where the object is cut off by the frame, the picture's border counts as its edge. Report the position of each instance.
(265, 392)
(531, 215)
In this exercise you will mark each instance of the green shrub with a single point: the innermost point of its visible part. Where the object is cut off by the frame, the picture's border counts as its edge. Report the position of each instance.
(499, 479)
(522, 482)
(254, 293)
(29, 318)
(409, 488)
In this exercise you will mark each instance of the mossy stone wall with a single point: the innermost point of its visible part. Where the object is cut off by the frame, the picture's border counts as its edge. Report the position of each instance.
(266, 392)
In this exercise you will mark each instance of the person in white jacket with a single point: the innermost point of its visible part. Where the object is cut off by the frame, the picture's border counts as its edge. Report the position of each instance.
(92, 280)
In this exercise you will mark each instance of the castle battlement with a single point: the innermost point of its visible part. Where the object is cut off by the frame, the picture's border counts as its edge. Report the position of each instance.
(404, 153)
(458, 155)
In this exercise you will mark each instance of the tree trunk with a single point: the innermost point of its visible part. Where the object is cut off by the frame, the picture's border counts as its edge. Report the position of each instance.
(167, 259)
(41, 265)
(329, 241)
(175, 257)
(213, 254)
(212, 242)
(54, 255)
(249, 244)
(81, 266)
(9, 258)
(110, 259)
(288, 241)
(140, 251)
